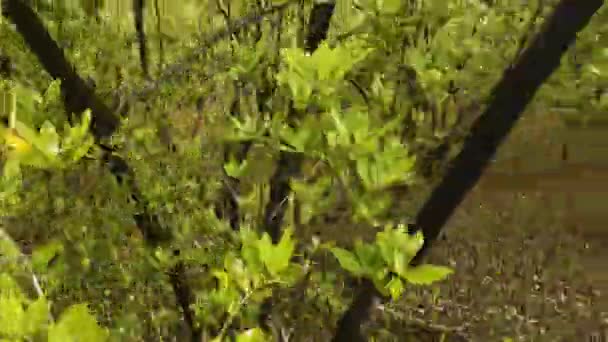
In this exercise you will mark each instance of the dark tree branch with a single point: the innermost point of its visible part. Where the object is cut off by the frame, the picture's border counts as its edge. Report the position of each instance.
(225, 12)
(509, 98)
(6, 66)
(78, 96)
(229, 206)
(349, 326)
(138, 16)
(289, 163)
(288, 167)
(184, 297)
(318, 24)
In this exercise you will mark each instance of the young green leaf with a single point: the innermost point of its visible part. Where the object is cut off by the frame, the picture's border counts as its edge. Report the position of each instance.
(37, 315)
(369, 257)
(235, 169)
(77, 324)
(252, 335)
(12, 316)
(251, 255)
(48, 140)
(395, 288)
(43, 254)
(426, 274)
(283, 252)
(347, 260)
(238, 272)
(265, 248)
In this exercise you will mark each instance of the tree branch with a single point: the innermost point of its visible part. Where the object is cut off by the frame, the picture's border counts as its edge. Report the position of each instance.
(318, 24)
(508, 100)
(138, 17)
(78, 96)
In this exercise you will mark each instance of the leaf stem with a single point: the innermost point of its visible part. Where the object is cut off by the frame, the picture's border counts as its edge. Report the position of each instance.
(12, 118)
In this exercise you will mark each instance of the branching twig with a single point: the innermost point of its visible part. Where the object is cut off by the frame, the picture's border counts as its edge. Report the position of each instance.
(21, 259)
(417, 324)
(78, 95)
(182, 67)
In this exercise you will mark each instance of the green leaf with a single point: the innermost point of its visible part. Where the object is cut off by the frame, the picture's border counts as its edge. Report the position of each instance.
(412, 244)
(77, 324)
(399, 263)
(252, 335)
(53, 92)
(300, 90)
(250, 254)
(25, 132)
(347, 260)
(238, 273)
(43, 254)
(298, 138)
(235, 169)
(12, 315)
(397, 246)
(48, 140)
(12, 169)
(370, 257)
(9, 250)
(27, 99)
(366, 172)
(390, 6)
(395, 288)
(9, 287)
(82, 149)
(426, 274)
(85, 123)
(264, 247)
(34, 156)
(281, 254)
(223, 279)
(37, 316)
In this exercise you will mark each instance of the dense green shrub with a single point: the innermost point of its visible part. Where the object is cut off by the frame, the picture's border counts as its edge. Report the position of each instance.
(361, 114)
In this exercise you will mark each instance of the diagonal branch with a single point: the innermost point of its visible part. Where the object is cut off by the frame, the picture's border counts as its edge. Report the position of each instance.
(78, 96)
(509, 98)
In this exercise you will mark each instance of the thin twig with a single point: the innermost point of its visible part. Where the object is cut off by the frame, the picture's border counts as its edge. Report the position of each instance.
(459, 332)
